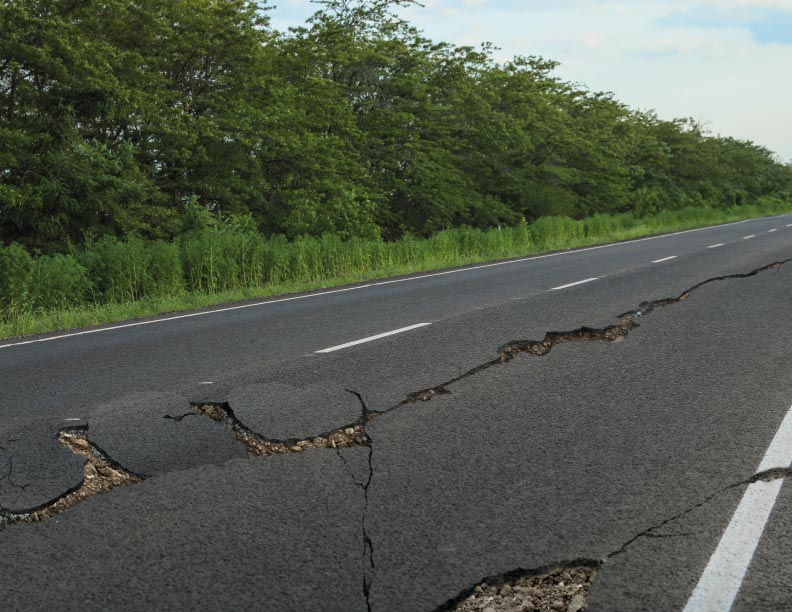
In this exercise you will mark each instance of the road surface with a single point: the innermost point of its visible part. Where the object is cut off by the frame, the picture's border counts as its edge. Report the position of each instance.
(608, 407)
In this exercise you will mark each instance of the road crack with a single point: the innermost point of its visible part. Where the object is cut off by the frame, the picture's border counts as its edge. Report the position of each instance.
(368, 563)
(180, 417)
(651, 532)
(258, 445)
(8, 476)
(100, 475)
(565, 585)
(539, 348)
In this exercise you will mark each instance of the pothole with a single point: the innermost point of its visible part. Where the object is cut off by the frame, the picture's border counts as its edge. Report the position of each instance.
(563, 589)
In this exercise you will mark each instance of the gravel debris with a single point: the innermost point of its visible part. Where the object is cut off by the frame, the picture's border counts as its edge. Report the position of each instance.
(258, 445)
(561, 590)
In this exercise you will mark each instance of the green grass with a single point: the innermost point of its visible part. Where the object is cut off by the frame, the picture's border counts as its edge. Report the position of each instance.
(113, 281)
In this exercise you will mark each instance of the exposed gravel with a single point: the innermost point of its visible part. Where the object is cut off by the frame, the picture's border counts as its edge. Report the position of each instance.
(561, 590)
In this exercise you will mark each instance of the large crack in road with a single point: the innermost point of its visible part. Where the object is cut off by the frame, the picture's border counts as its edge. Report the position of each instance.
(368, 566)
(258, 445)
(540, 348)
(100, 475)
(544, 586)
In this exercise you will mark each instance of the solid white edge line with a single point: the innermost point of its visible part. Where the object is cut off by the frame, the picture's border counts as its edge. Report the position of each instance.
(665, 259)
(376, 284)
(715, 246)
(722, 578)
(588, 280)
(370, 338)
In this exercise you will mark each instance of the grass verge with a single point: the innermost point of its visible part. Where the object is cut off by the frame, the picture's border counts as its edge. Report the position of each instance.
(202, 270)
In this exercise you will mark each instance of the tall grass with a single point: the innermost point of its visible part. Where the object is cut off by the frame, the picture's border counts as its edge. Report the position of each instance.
(211, 262)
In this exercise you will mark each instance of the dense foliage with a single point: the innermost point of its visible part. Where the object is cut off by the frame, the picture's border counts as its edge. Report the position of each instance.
(122, 118)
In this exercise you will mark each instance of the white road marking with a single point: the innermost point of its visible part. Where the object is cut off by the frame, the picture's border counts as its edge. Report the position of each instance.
(665, 259)
(719, 584)
(772, 230)
(370, 338)
(205, 382)
(789, 224)
(715, 246)
(588, 280)
(72, 419)
(750, 236)
(376, 284)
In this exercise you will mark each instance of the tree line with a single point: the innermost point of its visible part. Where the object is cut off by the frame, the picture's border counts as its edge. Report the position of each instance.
(122, 117)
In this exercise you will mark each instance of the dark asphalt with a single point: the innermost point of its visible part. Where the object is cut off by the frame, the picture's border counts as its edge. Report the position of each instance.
(537, 461)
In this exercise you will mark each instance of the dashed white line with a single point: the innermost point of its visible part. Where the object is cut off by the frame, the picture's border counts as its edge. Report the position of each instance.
(370, 338)
(715, 246)
(789, 224)
(665, 259)
(719, 584)
(588, 280)
(772, 230)
(749, 236)
(205, 382)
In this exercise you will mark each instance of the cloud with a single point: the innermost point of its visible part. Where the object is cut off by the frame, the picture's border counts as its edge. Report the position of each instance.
(768, 23)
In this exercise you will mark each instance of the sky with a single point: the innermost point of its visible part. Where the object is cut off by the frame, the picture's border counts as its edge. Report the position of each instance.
(727, 64)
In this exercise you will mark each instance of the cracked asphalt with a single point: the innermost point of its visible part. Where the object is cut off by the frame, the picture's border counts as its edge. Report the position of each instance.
(630, 452)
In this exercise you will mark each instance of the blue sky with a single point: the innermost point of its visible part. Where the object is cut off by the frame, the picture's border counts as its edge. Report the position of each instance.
(767, 24)
(728, 63)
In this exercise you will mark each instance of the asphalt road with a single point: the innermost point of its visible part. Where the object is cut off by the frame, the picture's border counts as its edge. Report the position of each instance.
(633, 454)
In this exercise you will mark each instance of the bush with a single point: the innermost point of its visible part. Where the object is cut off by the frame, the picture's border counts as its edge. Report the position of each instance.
(164, 269)
(556, 231)
(273, 257)
(625, 221)
(58, 282)
(118, 269)
(771, 206)
(305, 259)
(209, 261)
(600, 226)
(15, 268)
